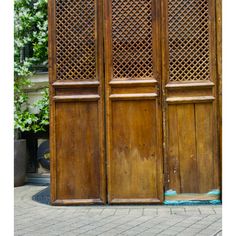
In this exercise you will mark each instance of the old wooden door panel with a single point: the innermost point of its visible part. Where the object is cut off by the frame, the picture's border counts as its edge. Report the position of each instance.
(190, 148)
(190, 96)
(133, 166)
(77, 166)
(133, 111)
(77, 102)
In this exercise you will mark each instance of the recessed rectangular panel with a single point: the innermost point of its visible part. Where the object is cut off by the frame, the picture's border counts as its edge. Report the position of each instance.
(192, 165)
(77, 151)
(134, 154)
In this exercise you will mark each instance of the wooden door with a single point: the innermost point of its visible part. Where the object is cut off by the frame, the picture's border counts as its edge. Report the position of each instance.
(133, 102)
(190, 98)
(77, 102)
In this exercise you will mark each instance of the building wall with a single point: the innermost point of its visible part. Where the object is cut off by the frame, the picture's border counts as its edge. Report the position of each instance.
(35, 91)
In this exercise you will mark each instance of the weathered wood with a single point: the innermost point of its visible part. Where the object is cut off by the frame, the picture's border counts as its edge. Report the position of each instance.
(190, 99)
(187, 148)
(219, 79)
(192, 197)
(141, 82)
(173, 161)
(77, 147)
(205, 147)
(77, 102)
(191, 88)
(133, 113)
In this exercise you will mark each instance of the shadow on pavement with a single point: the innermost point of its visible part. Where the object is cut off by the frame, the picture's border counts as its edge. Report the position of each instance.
(43, 196)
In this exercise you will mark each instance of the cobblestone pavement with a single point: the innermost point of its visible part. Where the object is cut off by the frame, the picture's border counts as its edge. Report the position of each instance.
(34, 216)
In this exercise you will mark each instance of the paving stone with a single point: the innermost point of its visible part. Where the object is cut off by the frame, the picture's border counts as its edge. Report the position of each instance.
(190, 231)
(177, 228)
(122, 211)
(178, 211)
(218, 210)
(207, 211)
(149, 211)
(108, 212)
(33, 216)
(164, 209)
(137, 212)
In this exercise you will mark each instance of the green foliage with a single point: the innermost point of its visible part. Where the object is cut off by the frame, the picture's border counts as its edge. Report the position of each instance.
(43, 115)
(28, 121)
(30, 53)
(30, 34)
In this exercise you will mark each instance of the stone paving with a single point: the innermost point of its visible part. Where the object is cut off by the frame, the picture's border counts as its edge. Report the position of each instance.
(34, 216)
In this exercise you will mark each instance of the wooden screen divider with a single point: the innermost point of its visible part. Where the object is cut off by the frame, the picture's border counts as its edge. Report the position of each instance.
(135, 101)
(191, 100)
(77, 102)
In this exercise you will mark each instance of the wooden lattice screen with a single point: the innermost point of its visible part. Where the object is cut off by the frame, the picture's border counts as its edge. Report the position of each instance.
(132, 39)
(75, 40)
(189, 42)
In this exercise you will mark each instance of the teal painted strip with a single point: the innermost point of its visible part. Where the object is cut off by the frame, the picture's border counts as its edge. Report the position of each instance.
(170, 193)
(193, 202)
(214, 192)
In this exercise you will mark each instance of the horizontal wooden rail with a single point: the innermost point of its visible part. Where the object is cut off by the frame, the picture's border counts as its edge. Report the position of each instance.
(74, 84)
(190, 99)
(134, 200)
(208, 84)
(126, 83)
(133, 96)
(69, 98)
(76, 202)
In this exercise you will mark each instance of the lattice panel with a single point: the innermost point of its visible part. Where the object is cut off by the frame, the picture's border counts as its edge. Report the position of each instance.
(132, 39)
(75, 40)
(188, 23)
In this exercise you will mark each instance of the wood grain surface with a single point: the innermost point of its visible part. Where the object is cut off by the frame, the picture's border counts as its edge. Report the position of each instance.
(135, 100)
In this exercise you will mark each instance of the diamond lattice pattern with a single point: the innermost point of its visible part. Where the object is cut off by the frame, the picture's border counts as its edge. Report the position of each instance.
(132, 39)
(75, 40)
(188, 40)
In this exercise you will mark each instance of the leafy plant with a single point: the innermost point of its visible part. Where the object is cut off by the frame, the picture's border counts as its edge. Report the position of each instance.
(30, 35)
(43, 114)
(27, 121)
(30, 55)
